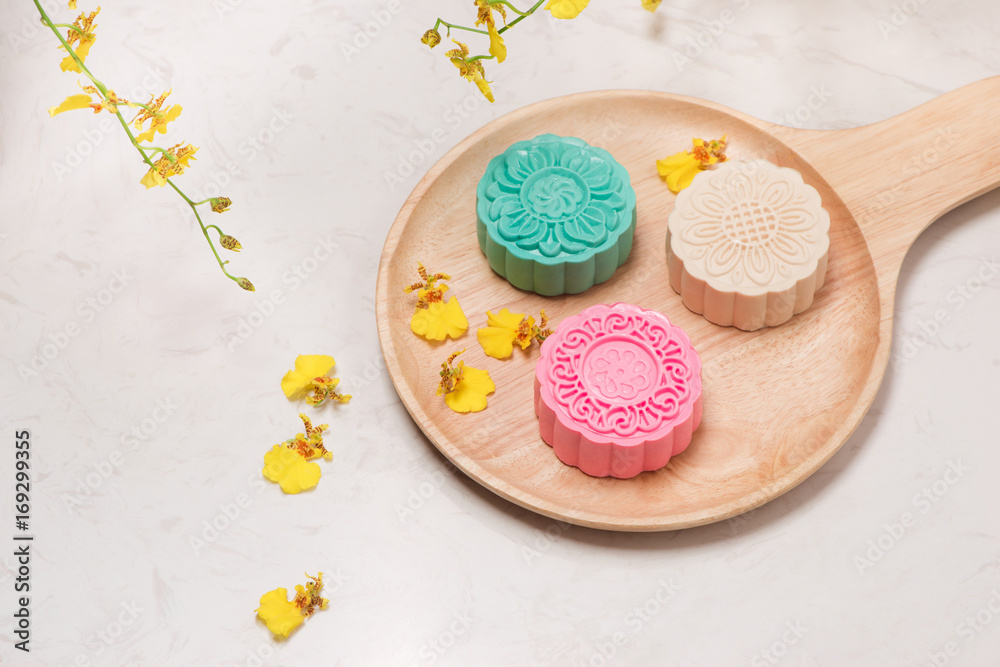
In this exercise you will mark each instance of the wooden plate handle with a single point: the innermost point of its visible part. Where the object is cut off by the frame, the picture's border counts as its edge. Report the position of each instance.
(899, 175)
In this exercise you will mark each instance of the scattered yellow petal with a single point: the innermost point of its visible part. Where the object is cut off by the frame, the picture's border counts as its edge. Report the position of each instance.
(506, 328)
(308, 367)
(471, 391)
(72, 102)
(498, 337)
(439, 320)
(289, 469)
(281, 615)
(680, 169)
(464, 388)
(566, 9)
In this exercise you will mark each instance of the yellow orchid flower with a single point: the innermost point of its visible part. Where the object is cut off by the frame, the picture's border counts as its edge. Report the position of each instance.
(650, 5)
(159, 118)
(290, 463)
(566, 9)
(311, 373)
(79, 101)
(439, 320)
(286, 467)
(506, 328)
(431, 38)
(164, 168)
(485, 16)
(434, 318)
(471, 70)
(282, 615)
(680, 169)
(68, 64)
(464, 388)
(82, 32)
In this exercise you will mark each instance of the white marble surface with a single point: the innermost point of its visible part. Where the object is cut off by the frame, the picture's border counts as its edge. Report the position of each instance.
(178, 356)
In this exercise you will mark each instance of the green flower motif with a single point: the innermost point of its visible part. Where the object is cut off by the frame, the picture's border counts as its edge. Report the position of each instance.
(556, 197)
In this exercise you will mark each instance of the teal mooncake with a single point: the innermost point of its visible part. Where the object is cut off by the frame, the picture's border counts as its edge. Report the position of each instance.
(555, 215)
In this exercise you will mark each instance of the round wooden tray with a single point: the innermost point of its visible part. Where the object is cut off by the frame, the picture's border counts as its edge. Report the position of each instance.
(778, 402)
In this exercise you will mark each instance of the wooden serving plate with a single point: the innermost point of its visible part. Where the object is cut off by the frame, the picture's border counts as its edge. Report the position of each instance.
(778, 403)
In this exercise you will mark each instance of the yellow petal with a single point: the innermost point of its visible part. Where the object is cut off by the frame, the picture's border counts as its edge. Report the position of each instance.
(290, 470)
(650, 5)
(505, 319)
(439, 320)
(498, 337)
(153, 178)
(470, 394)
(72, 4)
(307, 368)
(566, 9)
(682, 178)
(497, 342)
(679, 170)
(497, 47)
(675, 161)
(80, 101)
(82, 49)
(484, 87)
(280, 615)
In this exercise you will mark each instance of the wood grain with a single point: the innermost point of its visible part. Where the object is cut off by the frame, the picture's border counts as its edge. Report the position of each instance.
(778, 402)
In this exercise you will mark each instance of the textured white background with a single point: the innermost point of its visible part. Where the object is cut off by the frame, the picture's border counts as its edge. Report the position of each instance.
(466, 578)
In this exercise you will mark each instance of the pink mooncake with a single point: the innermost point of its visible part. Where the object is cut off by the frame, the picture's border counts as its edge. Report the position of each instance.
(617, 390)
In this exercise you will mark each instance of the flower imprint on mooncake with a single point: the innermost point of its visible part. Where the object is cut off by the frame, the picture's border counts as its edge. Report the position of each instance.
(555, 215)
(556, 198)
(752, 224)
(617, 390)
